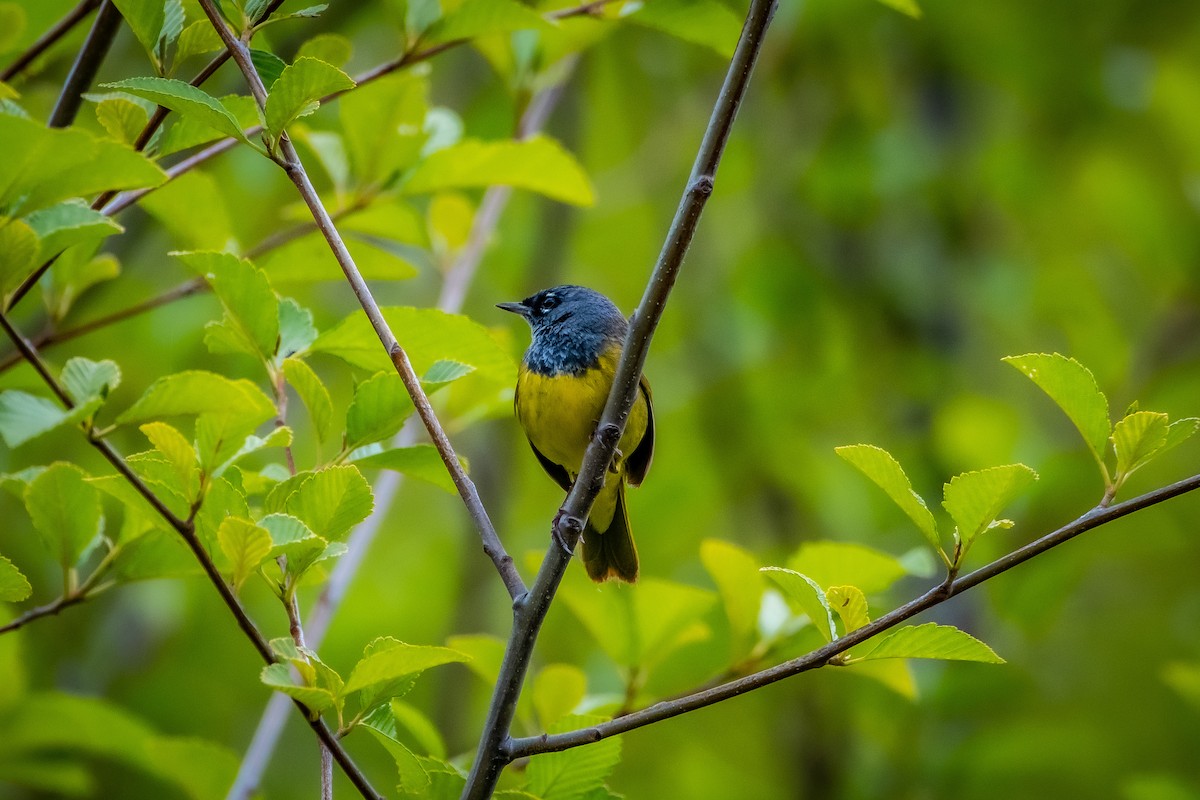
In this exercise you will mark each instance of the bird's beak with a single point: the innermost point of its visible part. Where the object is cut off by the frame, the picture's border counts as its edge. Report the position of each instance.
(516, 308)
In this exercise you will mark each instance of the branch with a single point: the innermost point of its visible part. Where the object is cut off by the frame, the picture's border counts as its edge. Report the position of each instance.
(87, 62)
(47, 39)
(50, 609)
(187, 532)
(520, 748)
(530, 610)
(289, 160)
(454, 288)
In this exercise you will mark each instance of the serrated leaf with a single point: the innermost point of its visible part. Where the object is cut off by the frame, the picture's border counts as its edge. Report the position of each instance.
(574, 774)
(268, 65)
(380, 406)
(222, 438)
(84, 378)
(413, 778)
(1180, 431)
(475, 18)
(557, 690)
(69, 223)
(975, 499)
(740, 585)
(14, 587)
(172, 27)
(186, 100)
(332, 48)
(44, 166)
(1137, 438)
(250, 303)
(279, 678)
(850, 604)
(65, 510)
(332, 500)
(186, 132)
(832, 563)
(807, 596)
(1073, 387)
(885, 472)
(176, 448)
(287, 533)
(444, 372)
(200, 392)
(145, 18)
(538, 164)
(931, 641)
(313, 394)
(421, 461)
(246, 545)
(299, 90)
(19, 248)
(427, 335)
(296, 329)
(122, 118)
(196, 39)
(388, 664)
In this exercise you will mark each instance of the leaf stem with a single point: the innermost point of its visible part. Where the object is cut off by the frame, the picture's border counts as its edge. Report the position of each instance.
(494, 751)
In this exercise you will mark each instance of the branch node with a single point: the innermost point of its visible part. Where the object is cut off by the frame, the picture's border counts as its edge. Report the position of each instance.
(702, 186)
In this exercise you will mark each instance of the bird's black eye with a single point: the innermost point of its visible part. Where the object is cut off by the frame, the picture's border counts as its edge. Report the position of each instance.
(549, 302)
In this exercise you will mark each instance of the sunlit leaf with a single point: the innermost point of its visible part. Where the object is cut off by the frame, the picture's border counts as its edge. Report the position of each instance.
(279, 678)
(908, 7)
(574, 774)
(65, 510)
(975, 499)
(474, 18)
(740, 584)
(807, 597)
(69, 223)
(200, 392)
(833, 563)
(931, 641)
(389, 663)
(145, 18)
(1137, 438)
(413, 780)
(184, 99)
(14, 587)
(19, 248)
(332, 500)
(299, 90)
(703, 22)
(422, 461)
(1072, 386)
(885, 471)
(84, 378)
(850, 605)
(380, 406)
(178, 450)
(557, 691)
(313, 394)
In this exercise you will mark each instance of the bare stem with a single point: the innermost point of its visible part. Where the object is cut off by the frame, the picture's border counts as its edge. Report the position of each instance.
(494, 751)
(47, 39)
(87, 62)
(520, 748)
(48, 610)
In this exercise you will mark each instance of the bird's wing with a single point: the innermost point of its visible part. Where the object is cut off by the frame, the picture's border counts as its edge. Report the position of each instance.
(555, 471)
(638, 462)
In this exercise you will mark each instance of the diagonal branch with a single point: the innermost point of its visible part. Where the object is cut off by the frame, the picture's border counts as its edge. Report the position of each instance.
(87, 63)
(289, 160)
(529, 611)
(187, 532)
(47, 40)
(520, 748)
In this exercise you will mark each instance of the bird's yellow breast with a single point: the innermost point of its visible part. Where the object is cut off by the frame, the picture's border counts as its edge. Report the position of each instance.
(559, 412)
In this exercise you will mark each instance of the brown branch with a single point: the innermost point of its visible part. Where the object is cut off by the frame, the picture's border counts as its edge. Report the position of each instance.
(87, 63)
(493, 753)
(520, 748)
(50, 609)
(47, 39)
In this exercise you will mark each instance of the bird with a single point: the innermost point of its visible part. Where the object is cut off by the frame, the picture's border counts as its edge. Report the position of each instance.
(563, 383)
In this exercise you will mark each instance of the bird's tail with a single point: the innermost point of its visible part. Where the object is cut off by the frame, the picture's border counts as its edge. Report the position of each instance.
(611, 553)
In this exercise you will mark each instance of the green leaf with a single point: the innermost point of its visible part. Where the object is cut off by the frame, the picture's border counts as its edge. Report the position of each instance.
(65, 510)
(198, 38)
(807, 596)
(380, 406)
(178, 451)
(576, 773)
(834, 563)
(388, 664)
(172, 27)
(557, 690)
(246, 545)
(69, 223)
(421, 461)
(485, 651)
(475, 18)
(740, 585)
(44, 166)
(299, 90)
(975, 499)
(186, 132)
(850, 605)
(74, 273)
(122, 118)
(24, 416)
(932, 641)
(200, 392)
(308, 259)
(192, 209)
(185, 100)
(908, 7)
(1138, 438)
(331, 501)
(384, 124)
(145, 18)
(268, 65)
(538, 164)
(443, 373)
(313, 394)
(332, 48)
(427, 335)
(1072, 386)
(703, 22)
(420, 726)
(885, 471)
(84, 379)
(1180, 431)
(413, 779)
(19, 248)
(296, 329)
(251, 306)
(14, 587)
(279, 678)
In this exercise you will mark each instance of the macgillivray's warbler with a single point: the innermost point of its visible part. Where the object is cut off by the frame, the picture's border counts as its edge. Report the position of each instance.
(562, 386)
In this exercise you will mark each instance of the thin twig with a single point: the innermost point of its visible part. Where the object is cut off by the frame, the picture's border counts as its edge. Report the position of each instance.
(47, 39)
(187, 532)
(453, 292)
(48, 610)
(87, 62)
(289, 160)
(529, 612)
(520, 748)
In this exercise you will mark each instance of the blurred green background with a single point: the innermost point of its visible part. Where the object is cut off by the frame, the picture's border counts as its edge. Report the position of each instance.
(903, 203)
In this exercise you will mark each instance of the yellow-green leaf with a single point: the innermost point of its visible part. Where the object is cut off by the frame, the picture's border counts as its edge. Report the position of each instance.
(1137, 438)
(932, 641)
(850, 605)
(885, 471)
(1073, 387)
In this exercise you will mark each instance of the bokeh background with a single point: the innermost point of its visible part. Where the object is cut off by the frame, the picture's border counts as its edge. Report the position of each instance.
(903, 203)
